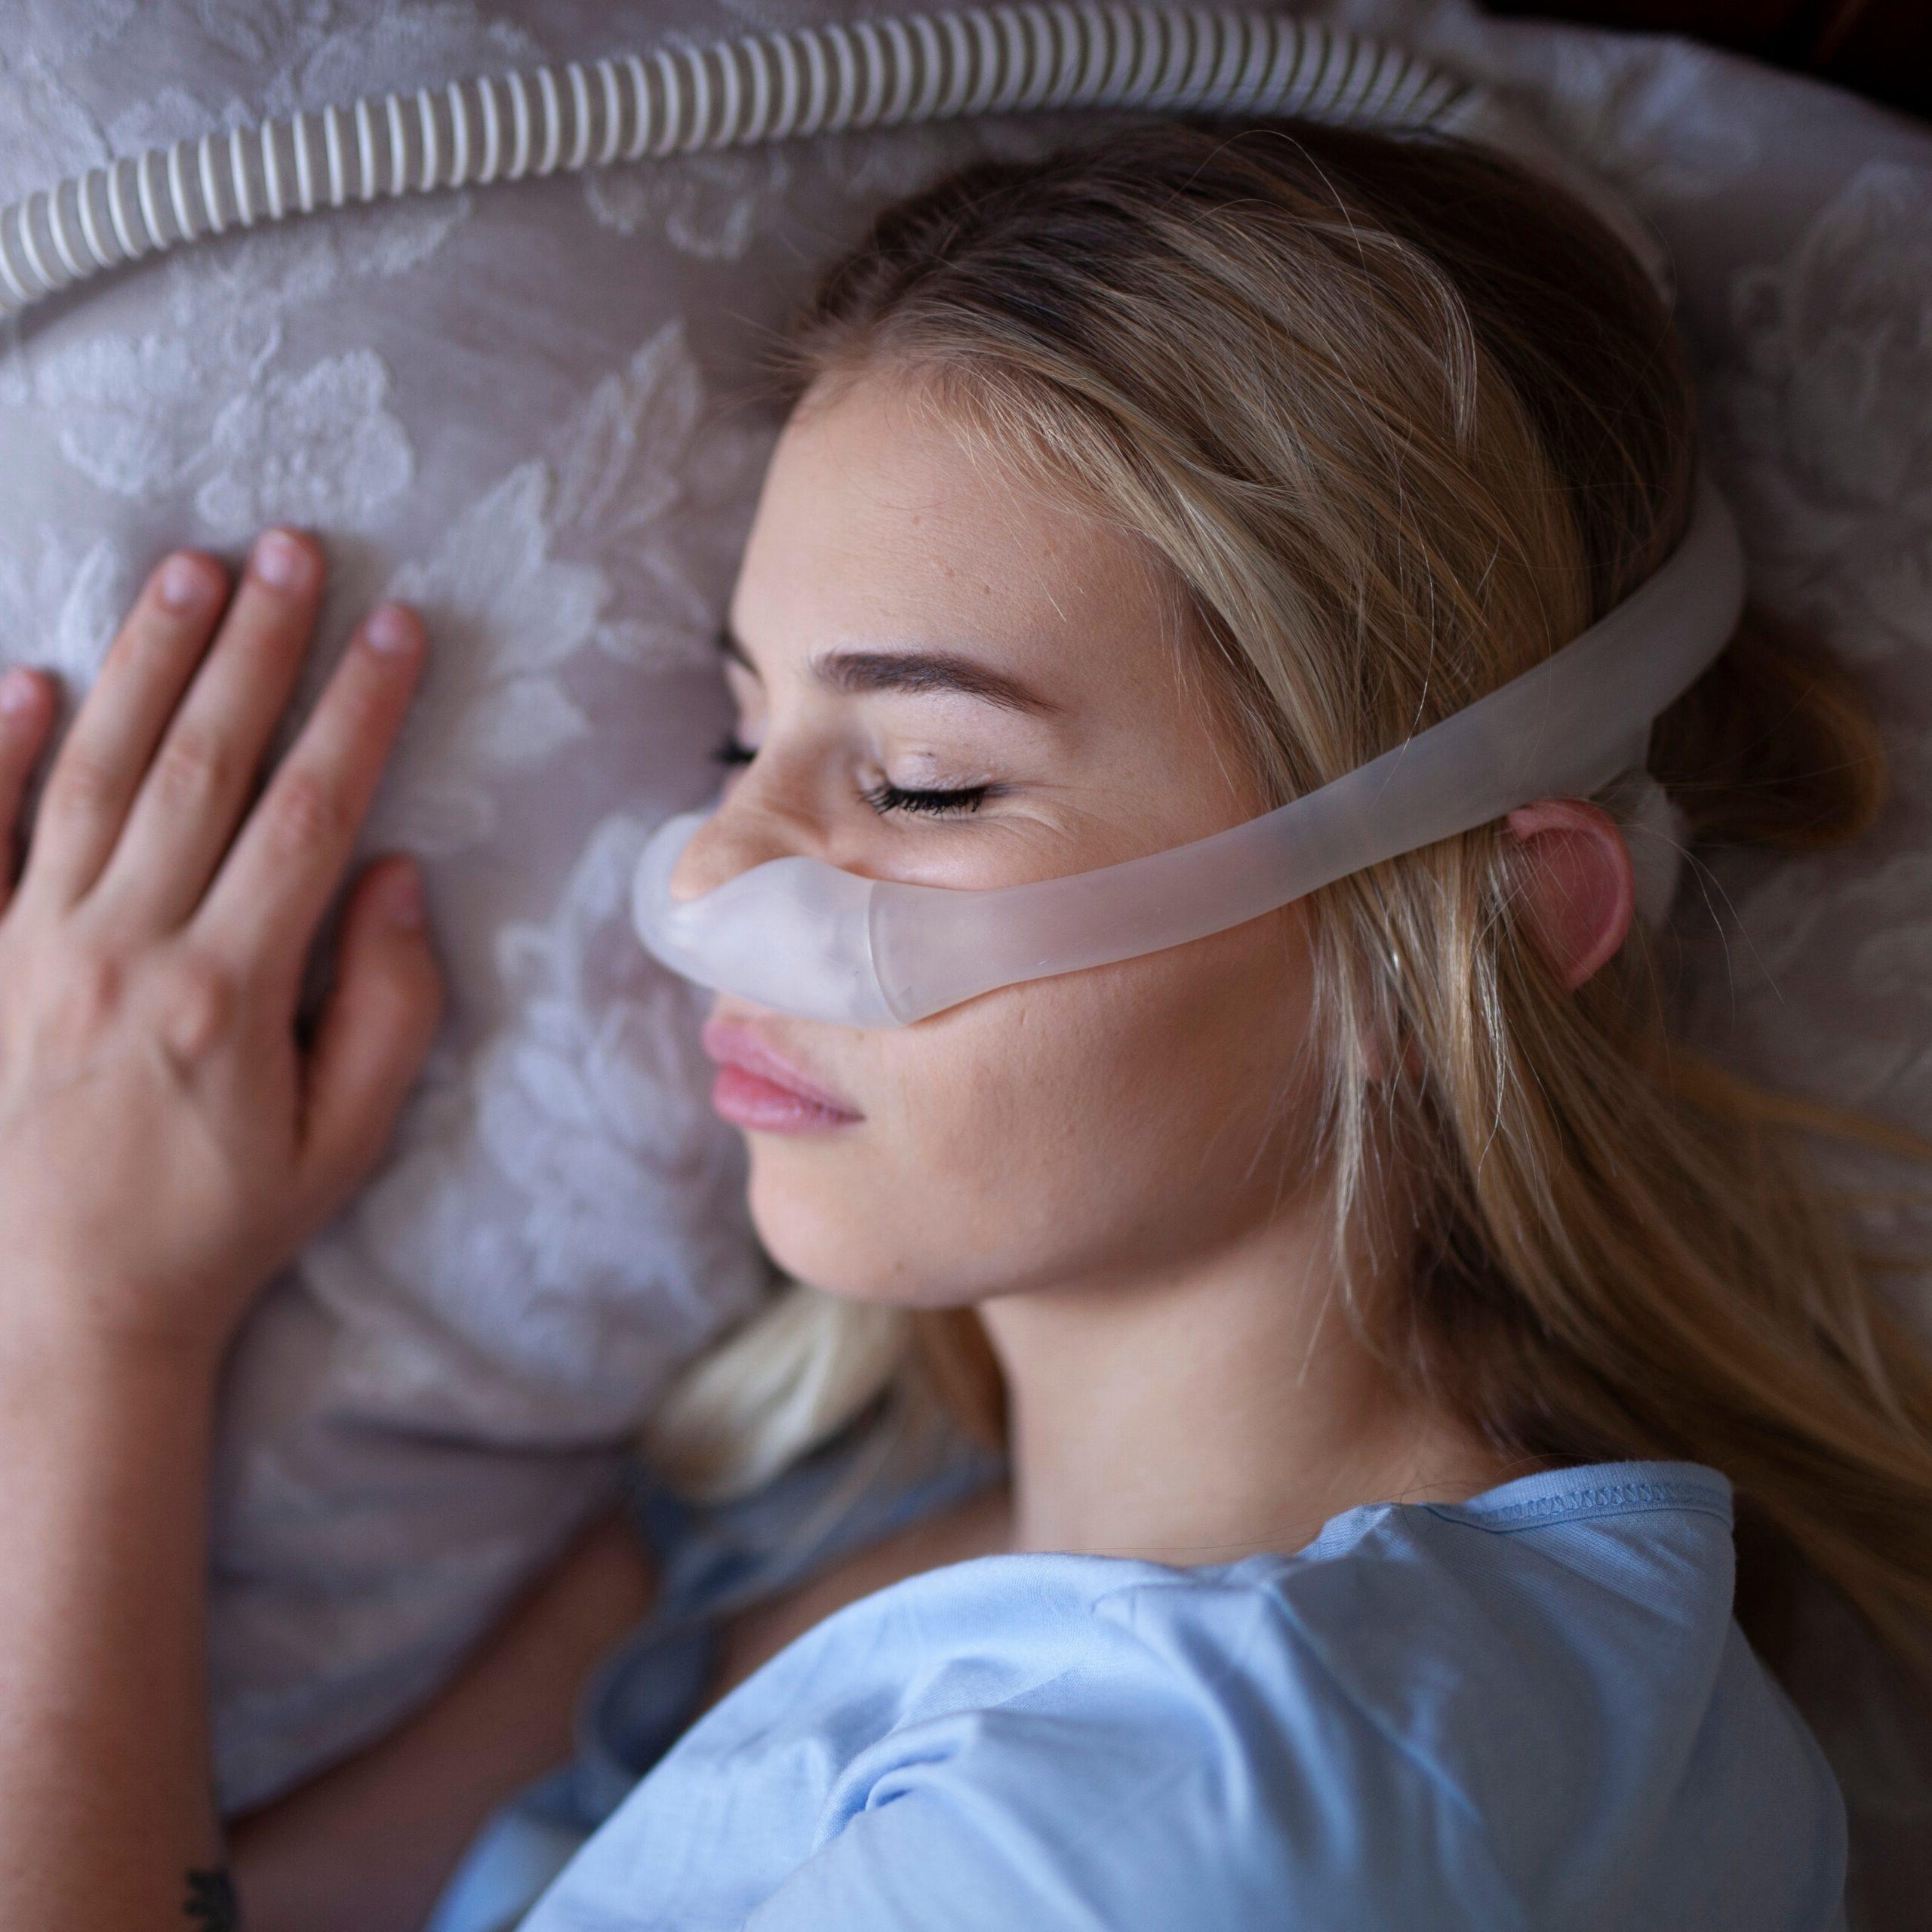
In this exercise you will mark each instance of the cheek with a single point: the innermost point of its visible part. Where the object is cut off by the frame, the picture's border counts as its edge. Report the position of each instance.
(1082, 1125)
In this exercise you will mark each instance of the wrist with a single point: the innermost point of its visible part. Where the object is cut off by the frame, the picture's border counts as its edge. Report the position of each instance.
(103, 1447)
(63, 1358)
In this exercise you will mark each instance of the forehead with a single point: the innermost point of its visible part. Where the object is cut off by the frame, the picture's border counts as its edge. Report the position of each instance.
(881, 522)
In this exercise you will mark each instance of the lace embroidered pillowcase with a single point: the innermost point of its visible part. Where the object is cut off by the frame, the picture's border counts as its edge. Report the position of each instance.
(521, 409)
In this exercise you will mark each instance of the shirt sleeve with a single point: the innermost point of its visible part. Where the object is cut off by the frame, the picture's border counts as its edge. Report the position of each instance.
(1189, 1816)
(1032, 1828)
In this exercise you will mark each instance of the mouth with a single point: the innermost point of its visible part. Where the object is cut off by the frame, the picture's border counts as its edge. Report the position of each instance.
(757, 1087)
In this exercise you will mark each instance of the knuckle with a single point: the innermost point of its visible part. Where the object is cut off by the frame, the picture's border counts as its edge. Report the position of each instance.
(361, 707)
(93, 984)
(198, 999)
(411, 1007)
(304, 815)
(82, 783)
(360, 710)
(193, 766)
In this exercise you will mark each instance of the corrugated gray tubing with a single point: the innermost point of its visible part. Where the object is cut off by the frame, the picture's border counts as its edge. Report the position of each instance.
(675, 99)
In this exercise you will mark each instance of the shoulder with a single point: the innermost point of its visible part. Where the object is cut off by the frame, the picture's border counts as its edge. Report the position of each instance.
(1534, 1708)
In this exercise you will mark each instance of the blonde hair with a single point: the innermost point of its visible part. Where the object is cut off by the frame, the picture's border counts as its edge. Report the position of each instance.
(1400, 418)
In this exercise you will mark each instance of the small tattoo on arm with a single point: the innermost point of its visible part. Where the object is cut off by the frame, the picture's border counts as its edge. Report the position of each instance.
(211, 1903)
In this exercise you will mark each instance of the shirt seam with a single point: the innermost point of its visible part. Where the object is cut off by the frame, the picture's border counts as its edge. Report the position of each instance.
(1602, 1501)
(1454, 1521)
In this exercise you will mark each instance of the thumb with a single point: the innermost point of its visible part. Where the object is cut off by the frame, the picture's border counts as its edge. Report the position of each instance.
(375, 1028)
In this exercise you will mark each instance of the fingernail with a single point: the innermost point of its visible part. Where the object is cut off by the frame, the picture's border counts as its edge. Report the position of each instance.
(390, 630)
(17, 692)
(280, 560)
(183, 582)
(402, 899)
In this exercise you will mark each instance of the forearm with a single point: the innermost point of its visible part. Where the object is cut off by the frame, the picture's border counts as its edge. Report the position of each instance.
(370, 1844)
(106, 1817)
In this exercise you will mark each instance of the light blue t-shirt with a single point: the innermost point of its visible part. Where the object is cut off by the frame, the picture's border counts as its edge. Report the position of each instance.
(1529, 1711)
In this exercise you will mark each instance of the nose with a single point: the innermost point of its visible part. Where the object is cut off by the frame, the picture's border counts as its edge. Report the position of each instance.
(743, 832)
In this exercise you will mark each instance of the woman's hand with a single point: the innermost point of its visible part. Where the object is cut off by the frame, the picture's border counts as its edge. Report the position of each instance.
(165, 1142)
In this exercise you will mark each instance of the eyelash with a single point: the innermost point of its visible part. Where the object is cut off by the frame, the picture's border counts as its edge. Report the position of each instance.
(884, 796)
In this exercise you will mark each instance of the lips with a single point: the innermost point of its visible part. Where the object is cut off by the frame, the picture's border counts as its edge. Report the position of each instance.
(758, 1088)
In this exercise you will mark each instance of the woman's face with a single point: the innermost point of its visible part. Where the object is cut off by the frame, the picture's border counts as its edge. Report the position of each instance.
(948, 678)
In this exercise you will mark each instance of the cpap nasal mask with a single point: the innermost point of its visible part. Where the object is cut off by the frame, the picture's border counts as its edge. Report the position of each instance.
(805, 938)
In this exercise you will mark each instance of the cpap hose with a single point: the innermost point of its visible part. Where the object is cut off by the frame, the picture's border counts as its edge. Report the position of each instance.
(759, 87)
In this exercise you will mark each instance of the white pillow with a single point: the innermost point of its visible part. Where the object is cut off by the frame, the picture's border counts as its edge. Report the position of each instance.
(514, 407)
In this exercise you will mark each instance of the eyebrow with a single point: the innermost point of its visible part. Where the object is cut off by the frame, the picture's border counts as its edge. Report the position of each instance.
(854, 673)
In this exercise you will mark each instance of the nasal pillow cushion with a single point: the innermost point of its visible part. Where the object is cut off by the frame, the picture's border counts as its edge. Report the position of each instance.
(508, 404)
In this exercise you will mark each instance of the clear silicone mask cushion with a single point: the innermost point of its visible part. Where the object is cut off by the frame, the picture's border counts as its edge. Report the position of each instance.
(803, 937)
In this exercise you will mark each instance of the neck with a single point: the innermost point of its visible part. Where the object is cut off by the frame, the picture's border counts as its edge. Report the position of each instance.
(1201, 1415)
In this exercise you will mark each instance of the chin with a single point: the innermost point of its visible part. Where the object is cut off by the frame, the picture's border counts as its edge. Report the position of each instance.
(848, 1242)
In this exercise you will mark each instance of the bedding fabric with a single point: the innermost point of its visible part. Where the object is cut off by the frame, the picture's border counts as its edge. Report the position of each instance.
(533, 410)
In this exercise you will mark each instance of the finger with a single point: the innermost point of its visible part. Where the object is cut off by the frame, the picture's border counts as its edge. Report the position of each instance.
(284, 866)
(107, 748)
(26, 710)
(374, 1031)
(185, 812)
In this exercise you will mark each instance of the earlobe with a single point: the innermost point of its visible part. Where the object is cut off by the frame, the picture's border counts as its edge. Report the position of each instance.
(1579, 890)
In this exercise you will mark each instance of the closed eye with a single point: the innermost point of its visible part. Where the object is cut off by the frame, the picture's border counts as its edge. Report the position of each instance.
(884, 797)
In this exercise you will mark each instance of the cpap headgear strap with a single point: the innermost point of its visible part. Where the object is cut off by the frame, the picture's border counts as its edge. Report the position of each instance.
(805, 938)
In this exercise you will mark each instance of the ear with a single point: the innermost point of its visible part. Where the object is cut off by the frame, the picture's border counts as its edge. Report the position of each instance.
(1579, 890)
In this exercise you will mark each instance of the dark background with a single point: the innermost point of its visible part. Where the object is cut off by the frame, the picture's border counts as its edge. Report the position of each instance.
(1880, 48)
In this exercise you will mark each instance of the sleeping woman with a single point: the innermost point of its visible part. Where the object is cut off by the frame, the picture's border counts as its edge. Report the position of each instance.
(1388, 1391)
